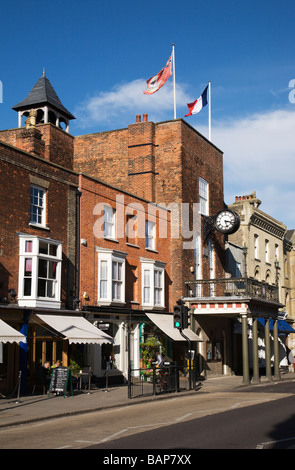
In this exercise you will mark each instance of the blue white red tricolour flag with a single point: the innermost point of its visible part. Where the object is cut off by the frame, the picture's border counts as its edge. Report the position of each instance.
(199, 104)
(156, 82)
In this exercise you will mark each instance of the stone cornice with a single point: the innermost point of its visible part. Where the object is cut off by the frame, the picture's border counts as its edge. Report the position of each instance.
(268, 225)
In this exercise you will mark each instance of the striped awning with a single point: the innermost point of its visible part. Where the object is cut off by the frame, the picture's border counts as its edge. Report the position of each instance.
(76, 329)
(10, 335)
(283, 325)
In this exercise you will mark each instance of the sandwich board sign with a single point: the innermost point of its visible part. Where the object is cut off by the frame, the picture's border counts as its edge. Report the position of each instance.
(60, 379)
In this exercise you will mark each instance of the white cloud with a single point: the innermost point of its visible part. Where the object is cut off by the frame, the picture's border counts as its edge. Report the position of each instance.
(124, 101)
(259, 155)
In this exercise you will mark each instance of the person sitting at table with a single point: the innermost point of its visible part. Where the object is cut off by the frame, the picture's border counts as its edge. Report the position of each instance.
(57, 364)
(43, 374)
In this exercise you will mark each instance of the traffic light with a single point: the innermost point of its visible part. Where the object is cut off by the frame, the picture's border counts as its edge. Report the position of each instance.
(177, 316)
(185, 312)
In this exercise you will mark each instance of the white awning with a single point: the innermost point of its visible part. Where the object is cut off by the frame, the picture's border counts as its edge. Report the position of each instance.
(165, 323)
(76, 329)
(10, 335)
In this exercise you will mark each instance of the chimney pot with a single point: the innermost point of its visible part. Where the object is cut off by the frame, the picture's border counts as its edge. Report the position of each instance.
(138, 117)
(145, 117)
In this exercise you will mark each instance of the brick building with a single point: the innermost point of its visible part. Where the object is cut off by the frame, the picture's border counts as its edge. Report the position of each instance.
(173, 165)
(62, 260)
(38, 241)
(124, 270)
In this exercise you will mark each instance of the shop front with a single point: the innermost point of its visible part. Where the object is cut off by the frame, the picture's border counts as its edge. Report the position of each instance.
(64, 336)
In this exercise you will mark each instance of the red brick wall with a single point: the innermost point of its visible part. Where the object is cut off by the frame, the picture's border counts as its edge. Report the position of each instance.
(94, 192)
(46, 141)
(16, 168)
(171, 156)
(98, 155)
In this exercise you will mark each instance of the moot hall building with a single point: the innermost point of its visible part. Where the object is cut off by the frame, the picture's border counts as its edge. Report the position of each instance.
(95, 250)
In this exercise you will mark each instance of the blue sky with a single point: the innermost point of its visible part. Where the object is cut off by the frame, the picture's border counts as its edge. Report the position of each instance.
(99, 54)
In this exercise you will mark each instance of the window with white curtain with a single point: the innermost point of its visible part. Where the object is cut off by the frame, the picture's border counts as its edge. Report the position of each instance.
(266, 251)
(198, 267)
(153, 283)
(109, 222)
(203, 196)
(40, 261)
(256, 246)
(150, 235)
(111, 276)
(38, 206)
(211, 258)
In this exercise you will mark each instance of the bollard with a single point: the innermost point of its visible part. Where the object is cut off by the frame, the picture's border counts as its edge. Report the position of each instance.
(18, 386)
(89, 381)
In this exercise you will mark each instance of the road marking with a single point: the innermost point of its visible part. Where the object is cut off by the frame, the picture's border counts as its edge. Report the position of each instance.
(88, 442)
(261, 446)
(183, 417)
(180, 418)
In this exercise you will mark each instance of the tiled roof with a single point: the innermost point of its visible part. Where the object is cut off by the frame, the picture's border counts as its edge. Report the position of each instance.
(43, 93)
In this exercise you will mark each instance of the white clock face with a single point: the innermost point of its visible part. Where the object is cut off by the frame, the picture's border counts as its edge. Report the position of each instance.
(225, 221)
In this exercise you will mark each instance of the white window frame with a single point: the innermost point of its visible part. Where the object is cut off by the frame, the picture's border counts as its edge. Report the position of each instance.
(150, 235)
(198, 264)
(152, 283)
(277, 252)
(109, 227)
(51, 279)
(267, 251)
(40, 209)
(113, 291)
(211, 261)
(203, 196)
(256, 246)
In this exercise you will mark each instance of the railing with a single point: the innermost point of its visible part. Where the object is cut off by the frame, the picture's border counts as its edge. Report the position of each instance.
(236, 287)
(170, 378)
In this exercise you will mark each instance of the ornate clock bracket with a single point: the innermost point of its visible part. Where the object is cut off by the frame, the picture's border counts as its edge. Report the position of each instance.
(214, 222)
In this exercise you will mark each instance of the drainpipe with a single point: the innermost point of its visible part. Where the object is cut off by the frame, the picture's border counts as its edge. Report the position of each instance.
(79, 194)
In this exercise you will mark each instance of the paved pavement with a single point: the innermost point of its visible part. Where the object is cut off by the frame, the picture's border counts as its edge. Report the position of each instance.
(31, 408)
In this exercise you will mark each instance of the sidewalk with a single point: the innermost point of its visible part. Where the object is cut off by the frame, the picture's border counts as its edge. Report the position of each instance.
(32, 408)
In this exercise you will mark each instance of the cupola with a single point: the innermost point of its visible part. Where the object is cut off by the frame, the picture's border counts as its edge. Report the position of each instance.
(43, 106)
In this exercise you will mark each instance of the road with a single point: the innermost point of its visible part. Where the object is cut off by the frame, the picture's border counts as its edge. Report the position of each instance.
(260, 418)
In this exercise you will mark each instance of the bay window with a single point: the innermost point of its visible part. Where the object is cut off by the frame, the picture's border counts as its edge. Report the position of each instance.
(40, 262)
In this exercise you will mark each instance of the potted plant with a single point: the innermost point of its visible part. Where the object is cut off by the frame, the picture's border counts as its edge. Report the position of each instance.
(148, 355)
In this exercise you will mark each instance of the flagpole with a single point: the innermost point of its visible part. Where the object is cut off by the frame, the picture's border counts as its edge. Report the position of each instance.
(209, 110)
(174, 92)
